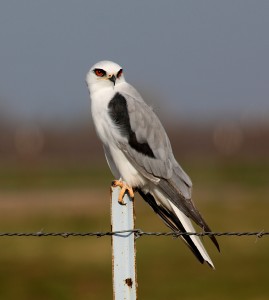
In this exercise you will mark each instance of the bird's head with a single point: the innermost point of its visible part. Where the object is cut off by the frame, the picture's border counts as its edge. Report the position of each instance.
(104, 74)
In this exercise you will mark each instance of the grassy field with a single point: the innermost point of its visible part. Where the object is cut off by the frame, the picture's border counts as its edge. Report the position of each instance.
(231, 196)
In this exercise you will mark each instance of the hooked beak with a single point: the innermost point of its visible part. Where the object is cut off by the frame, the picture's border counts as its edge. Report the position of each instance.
(112, 79)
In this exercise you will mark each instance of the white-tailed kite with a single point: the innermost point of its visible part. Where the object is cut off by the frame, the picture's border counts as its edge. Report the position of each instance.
(139, 153)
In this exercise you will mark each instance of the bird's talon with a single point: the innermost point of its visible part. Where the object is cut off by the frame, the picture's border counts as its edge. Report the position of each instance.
(124, 188)
(121, 202)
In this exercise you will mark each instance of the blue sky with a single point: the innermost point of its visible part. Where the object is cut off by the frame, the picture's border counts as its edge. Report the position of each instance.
(191, 60)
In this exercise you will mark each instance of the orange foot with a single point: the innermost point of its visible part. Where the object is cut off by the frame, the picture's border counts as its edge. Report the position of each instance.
(124, 188)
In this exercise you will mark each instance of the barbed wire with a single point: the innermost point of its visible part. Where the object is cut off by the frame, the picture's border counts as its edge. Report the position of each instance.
(137, 232)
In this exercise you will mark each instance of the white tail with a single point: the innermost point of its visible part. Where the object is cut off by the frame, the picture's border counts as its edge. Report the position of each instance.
(189, 228)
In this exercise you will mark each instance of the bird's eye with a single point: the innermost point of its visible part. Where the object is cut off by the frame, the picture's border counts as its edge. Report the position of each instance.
(99, 72)
(119, 73)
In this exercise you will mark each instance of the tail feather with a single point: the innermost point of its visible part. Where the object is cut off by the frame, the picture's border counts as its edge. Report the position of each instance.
(195, 239)
(185, 205)
(177, 221)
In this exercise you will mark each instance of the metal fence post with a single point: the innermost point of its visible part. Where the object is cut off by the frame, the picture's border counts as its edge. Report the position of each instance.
(123, 248)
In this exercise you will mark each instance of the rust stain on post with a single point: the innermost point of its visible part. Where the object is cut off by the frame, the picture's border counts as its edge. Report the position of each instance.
(129, 282)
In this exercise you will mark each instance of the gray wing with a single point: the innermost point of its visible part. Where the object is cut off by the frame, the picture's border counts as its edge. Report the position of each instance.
(149, 131)
(157, 163)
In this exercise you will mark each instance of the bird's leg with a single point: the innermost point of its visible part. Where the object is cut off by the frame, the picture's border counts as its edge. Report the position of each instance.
(124, 188)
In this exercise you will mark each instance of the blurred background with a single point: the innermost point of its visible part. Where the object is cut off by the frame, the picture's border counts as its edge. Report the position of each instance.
(203, 66)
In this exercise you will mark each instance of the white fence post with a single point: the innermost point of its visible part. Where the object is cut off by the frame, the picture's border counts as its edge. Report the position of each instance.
(123, 248)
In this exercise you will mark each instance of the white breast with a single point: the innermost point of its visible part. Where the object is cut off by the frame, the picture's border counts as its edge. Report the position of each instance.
(99, 108)
(110, 136)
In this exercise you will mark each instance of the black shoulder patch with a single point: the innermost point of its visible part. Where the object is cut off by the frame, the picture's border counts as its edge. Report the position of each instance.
(118, 112)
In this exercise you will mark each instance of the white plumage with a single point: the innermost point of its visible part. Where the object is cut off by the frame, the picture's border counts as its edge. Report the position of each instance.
(138, 152)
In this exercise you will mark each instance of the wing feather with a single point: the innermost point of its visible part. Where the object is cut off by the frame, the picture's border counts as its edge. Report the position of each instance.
(162, 169)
